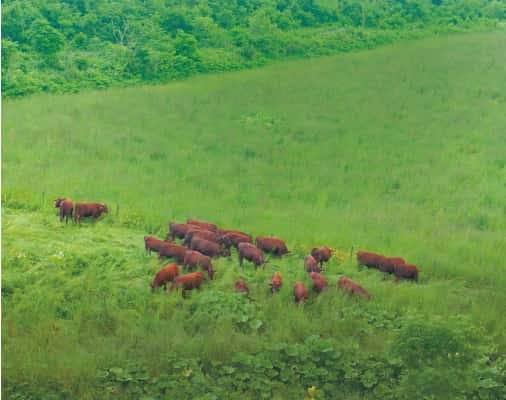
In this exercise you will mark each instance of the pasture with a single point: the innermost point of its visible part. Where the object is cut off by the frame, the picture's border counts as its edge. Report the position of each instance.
(400, 150)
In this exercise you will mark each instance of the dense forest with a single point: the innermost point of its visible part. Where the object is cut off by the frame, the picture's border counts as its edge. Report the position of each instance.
(67, 45)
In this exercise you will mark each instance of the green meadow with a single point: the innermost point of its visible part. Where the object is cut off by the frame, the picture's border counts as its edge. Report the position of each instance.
(399, 150)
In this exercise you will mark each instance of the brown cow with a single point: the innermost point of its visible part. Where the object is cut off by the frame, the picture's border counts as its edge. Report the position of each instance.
(387, 264)
(271, 245)
(319, 281)
(406, 271)
(300, 292)
(66, 207)
(207, 235)
(370, 260)
(165, 275)
(179, 231)
(208, 248)
(234, 238)
(311, 265)
(152, 243)
(321, 254)
(190, 281)
(172, 250)
(353, 288)
(195, 259)
(227, 231)
(276, 282)
(203, 224)
(251, 253)
(241, 286)
(93, 210)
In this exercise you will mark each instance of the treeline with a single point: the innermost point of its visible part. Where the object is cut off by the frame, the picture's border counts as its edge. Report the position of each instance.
(67, 45)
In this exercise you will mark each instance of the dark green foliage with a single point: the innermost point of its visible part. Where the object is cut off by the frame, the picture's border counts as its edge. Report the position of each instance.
(217, 35)
(45, 39)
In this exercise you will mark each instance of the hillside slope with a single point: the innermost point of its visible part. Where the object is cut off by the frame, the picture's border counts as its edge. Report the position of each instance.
(398, 150)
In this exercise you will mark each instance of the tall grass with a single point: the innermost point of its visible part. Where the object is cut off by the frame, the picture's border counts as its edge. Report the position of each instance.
(399, 150)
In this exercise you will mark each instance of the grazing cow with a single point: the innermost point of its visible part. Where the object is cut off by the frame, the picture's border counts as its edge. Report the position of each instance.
(241, 286)
(276, 282)
(311, 265)
(321, 254)
(319, 281)
(300, 292)
(203, 224)
(234, 238)
(165, 275)
(207, 235)
(406, 271)
(227, 231)
(179, 230)
(370, 260)
(208, 248)
(353, 288)
(190, 281)
(251, 253)
(152, 243)
(194, 259)
(172, 250)
(387, 264)
(93, 210)
(271, 245)
(66, 207)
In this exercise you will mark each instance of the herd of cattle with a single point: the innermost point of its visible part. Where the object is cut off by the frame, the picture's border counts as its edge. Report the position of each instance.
(200, 241)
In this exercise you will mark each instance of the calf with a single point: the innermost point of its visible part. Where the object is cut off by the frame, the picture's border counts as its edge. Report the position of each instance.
(370, 260)
(165, 275)
(353, 288)
(241, 286)
(179, 230)
(203, 224)
(251, 253)
(152, 243)
(406, 271)
(321, 254)
(271, 245)
(234, 238)
(276, 282)
(208, 248)
(190, 281)
(311, 265)
(93, 210)
(319, 281)
(66, 208)
(300, 292)
(387, 264)
(172, 250)
(195, 259)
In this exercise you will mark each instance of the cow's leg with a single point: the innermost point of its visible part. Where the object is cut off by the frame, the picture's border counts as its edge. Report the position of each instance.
(240, 260)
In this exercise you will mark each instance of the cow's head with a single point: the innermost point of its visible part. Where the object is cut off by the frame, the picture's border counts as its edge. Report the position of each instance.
(58, 201)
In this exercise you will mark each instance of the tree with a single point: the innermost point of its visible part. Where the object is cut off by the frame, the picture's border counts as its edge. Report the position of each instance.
(186, 45)
(45, 39)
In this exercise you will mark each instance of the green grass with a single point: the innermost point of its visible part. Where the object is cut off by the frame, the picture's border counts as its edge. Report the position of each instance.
(399, 150)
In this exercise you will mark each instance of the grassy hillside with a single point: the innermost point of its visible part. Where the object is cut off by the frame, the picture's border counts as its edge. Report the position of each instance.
(399, 150)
